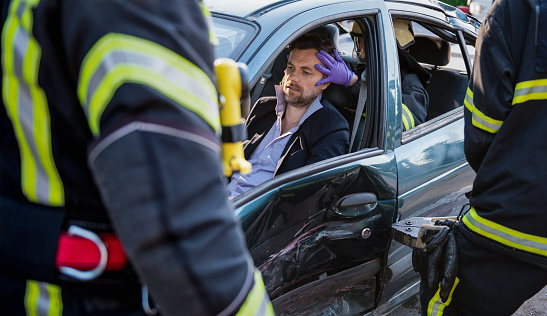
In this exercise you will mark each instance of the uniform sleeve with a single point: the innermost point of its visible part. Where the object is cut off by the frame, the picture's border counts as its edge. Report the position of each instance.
(415, 100)
(145, 83)
(489, 96)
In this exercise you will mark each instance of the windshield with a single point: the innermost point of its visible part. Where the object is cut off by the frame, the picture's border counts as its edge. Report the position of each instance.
(232, 36)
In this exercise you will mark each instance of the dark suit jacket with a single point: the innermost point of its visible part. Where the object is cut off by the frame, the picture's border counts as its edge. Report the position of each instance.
(324, 134)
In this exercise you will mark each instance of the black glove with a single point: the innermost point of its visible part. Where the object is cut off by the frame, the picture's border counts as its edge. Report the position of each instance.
(438, 261)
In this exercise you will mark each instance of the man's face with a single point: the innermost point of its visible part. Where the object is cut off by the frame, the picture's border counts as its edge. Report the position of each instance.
(298, 84)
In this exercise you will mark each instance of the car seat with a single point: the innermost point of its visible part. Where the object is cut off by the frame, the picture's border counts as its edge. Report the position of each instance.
(447, 87)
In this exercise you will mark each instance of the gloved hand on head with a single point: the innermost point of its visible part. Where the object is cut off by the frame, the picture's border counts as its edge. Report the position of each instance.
(335, 69)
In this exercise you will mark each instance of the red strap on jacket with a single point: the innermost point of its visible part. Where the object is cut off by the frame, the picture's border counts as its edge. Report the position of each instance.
(83, 254)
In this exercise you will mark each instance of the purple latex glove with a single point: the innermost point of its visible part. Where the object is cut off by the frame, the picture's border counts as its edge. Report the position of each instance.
(335, 69)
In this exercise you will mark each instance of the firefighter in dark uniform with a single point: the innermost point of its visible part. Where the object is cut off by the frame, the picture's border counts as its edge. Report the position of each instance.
(502, 239)
(112, 197)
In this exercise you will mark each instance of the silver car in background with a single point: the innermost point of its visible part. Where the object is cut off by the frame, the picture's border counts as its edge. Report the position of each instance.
(479, 8)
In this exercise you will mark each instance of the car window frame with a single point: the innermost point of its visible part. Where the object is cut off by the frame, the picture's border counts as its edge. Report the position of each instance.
(242, 47)
(379, 103)
(448, 32)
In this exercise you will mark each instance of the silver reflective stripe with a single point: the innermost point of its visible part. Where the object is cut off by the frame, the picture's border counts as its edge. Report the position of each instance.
(26, 106)
(505, 235)
(482, 122)
(469, 101)
(43, 299)
(20, 10)
(118, 58)
(42, 304)
(479, 119)
(408, 119)
(436, 306)
(151, 64)
(530, 90)
(152, 128)
(26, 114)
(263, 305)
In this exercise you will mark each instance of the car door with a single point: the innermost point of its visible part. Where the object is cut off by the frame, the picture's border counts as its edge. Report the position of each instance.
(433, 174)
(319, 234)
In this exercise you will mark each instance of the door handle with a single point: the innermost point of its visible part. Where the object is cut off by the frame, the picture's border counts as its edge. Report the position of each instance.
(356, 204)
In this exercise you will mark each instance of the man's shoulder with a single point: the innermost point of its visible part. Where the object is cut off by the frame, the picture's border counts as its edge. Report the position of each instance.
(266, 100)
(263, 105)
(261, 114)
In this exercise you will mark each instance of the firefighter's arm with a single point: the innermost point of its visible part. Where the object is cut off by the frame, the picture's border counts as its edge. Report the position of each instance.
(167, 201)
(152, 109)
(415, 100)
(490, 93)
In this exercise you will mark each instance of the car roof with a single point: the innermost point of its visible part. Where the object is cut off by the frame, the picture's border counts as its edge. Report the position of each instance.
(254, 8)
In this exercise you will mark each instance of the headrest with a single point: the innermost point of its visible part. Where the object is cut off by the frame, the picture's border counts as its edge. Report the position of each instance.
(329, 31)
(431, 50)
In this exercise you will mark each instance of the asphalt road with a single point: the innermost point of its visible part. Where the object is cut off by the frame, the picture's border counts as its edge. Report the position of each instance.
(535, 306)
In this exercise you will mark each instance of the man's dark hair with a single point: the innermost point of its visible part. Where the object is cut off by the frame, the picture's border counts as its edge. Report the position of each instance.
(313, 40)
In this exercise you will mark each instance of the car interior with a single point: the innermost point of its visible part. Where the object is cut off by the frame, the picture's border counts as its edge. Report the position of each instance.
(447, 86)
(446, 89)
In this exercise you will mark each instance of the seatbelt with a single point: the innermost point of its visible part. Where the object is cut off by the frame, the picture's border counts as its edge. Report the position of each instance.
(257, 91)
(360, 106)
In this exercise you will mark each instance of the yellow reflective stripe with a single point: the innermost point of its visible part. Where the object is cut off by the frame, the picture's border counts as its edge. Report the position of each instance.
(257, 302)
(27, 107)
(436, 306)
(505, 235)
(478, 118)
(468, 101)
(43, 299)
(408, 118)
(530, 90)
(31, 297)
(56, 301)
(209, 19)
(117, 59)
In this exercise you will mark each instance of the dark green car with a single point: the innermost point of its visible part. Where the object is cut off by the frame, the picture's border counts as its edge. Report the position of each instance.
(321, 234)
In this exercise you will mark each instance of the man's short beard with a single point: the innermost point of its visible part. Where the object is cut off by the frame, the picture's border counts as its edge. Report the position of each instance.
(302, 101)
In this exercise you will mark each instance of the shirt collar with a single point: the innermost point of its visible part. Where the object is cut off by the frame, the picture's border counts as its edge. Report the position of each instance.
(281, 105)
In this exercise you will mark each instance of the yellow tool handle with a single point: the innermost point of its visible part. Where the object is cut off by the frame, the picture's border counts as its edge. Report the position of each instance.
(229, 88)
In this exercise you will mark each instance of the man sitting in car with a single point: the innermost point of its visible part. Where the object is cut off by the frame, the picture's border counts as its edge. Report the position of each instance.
(297, 127)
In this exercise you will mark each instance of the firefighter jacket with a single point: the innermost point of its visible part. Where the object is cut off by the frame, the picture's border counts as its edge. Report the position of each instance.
(505, 131)
(109, 115)
(414, 97)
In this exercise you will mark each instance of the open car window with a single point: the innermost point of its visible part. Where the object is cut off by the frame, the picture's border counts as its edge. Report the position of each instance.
(335, 94)
(344, 99)
(444, 59)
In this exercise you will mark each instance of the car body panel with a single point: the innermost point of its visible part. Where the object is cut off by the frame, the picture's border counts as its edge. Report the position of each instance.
(298, 236)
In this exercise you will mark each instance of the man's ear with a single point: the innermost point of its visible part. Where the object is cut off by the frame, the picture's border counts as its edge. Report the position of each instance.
(324, 86)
